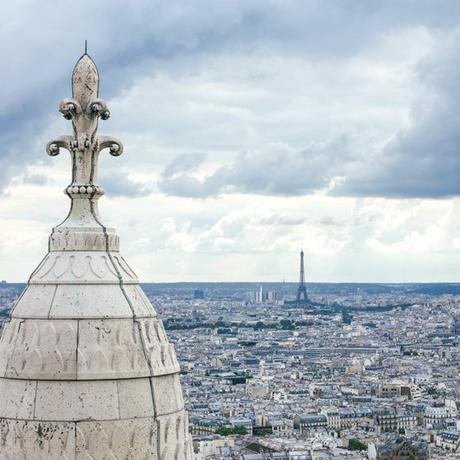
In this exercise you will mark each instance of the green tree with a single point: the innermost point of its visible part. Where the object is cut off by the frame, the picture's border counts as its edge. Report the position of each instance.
(286, 324)
(228, 431)
(356, 444)
(223, 430)
(241, 430)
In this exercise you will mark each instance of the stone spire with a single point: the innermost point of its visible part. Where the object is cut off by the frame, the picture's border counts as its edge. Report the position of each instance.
(86, 369)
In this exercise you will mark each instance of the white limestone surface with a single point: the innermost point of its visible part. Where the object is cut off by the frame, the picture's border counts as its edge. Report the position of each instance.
(86, 369)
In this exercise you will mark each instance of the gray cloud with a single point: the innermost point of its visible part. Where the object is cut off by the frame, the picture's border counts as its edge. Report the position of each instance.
(421, 161)
(269, 173)
(282, 220)
(127, 39)
(182, 163)
(35, 179)
(116, 183)
(424, 160)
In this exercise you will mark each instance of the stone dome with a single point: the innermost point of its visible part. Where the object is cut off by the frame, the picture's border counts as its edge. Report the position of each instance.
(86, 369)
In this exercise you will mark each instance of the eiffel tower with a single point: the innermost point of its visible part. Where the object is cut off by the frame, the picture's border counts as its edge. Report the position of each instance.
(302, 296)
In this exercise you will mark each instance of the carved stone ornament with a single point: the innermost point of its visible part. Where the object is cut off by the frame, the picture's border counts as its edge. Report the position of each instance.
(84, 109)
(86, 369)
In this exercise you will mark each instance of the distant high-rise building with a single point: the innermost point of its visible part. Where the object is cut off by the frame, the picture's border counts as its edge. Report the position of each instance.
(261, 296)
(272, 296)
(256, 296)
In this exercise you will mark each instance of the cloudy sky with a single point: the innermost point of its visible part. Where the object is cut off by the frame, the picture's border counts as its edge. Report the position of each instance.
(252, 128)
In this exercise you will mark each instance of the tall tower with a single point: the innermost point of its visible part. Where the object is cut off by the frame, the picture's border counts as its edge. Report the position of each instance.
(302, 290)
(86, 369)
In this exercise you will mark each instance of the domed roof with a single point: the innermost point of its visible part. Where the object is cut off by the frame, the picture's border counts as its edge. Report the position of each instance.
(86, 369)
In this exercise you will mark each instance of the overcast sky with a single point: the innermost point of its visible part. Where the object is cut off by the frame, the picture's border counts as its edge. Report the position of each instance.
(252, 128)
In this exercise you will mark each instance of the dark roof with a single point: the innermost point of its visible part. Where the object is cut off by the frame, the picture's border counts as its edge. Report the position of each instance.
(313, 419)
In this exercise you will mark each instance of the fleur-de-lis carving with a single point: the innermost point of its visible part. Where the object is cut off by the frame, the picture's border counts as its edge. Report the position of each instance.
(84, 110)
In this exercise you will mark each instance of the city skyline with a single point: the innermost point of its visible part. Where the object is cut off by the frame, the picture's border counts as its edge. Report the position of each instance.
(250, 132)
(282, 177)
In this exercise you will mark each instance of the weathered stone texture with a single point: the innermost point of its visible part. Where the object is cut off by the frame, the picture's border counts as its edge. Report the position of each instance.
(86, 369)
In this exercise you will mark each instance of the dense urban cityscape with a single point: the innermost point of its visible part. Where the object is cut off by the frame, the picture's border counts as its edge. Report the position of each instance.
(357, 371)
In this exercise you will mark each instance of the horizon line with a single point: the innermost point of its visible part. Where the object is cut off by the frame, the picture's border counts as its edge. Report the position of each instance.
(273, 282)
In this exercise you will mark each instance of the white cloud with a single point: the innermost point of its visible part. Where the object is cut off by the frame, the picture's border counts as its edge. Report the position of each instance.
(266, 107)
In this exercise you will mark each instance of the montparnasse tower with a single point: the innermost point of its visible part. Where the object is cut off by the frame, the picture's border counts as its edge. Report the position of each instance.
(86, 369)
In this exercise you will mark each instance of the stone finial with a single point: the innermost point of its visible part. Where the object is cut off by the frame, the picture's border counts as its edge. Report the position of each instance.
(84, 109)
(86, 368)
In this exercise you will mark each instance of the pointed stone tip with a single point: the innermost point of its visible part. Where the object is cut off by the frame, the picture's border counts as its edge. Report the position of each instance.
(85, 79)
(85, 60)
